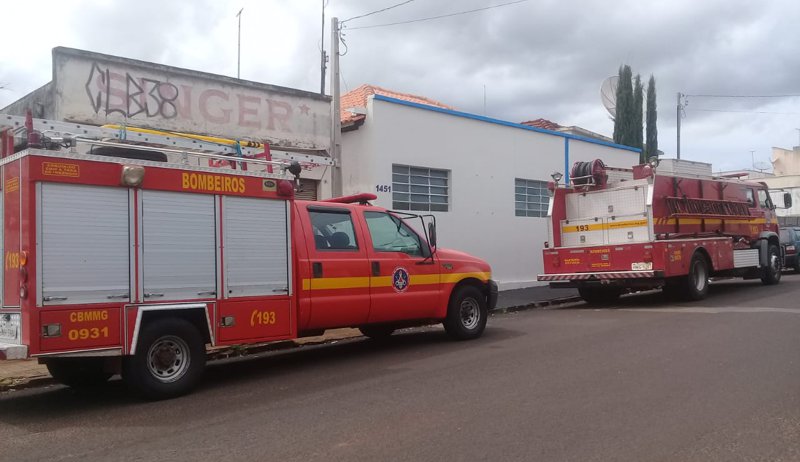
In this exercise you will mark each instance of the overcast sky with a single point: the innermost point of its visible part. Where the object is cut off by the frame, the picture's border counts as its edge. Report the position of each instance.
(540, 58)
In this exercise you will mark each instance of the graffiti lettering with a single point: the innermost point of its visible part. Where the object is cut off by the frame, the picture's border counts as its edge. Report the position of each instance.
(141, 95)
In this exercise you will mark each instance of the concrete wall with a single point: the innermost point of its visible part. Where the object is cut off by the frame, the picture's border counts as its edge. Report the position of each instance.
(483, 158)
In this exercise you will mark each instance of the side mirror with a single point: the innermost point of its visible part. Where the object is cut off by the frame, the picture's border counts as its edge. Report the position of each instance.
(787, 200)
(432, 234)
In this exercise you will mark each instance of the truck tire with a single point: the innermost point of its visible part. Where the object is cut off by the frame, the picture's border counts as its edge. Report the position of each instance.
(377, 332)
(78, 372)
(695, 284)
(466, 314)
(169, 360)
(600, 295)
(772, 272)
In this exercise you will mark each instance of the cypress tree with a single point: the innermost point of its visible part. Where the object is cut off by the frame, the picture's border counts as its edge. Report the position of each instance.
(637, 127)
(623, 122)
(651, 148)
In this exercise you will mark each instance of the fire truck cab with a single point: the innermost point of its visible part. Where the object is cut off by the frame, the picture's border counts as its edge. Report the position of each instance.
(135, 259)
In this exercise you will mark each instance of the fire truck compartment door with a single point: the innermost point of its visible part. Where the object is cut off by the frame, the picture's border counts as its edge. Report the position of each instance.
(83, 244)
(627, 229)
(582, 232)
(178, 246)
(626, 200)
(255, 233)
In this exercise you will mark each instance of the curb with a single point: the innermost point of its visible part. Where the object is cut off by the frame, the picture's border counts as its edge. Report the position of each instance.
(538, 304)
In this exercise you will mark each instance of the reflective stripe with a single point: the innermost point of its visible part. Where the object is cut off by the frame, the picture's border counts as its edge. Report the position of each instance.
(599, 226)
(386, 281)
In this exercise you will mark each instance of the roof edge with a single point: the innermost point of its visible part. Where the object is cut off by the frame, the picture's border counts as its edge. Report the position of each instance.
(505, 123)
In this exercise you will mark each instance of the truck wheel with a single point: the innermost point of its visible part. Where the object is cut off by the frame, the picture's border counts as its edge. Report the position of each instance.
(600, 295)
(466, 314)
(79, 372)
(772, 272)
(377, 332)
(169, 360)
(695, 284)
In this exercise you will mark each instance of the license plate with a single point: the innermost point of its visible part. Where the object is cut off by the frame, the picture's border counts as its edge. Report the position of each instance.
(642, 266)
(9, 327)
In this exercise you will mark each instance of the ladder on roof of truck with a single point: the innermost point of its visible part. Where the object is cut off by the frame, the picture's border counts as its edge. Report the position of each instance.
(181, 143)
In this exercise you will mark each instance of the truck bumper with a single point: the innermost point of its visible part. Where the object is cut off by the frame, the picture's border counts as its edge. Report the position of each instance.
(491, 296)
(599, 276)
(13, 351)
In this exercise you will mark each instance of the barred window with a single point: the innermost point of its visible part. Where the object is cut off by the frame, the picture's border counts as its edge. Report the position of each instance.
(420, 189)
(530, 198)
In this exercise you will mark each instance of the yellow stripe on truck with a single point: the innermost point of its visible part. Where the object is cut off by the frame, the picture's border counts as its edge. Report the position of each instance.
(386, 281)
(602, 226)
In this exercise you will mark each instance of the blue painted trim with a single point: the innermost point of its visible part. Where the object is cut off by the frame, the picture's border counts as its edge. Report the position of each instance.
(503, 122)
(566, 161)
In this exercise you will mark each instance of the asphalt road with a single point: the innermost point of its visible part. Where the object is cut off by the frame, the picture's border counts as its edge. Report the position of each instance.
(648, 381)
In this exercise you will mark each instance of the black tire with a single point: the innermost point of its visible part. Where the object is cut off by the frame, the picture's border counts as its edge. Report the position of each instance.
(79, 372)
(600, 295)
(771, 274)
(169, 361)
(377, 332)
(466, 314)
(695, 284)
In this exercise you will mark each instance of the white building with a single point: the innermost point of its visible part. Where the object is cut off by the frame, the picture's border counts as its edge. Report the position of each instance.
(484, 179)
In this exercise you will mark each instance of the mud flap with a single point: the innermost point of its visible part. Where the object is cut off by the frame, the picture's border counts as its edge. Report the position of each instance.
(763, 253)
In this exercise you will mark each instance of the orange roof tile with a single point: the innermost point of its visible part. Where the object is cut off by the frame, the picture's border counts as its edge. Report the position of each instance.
(542, 123)
(358, 98)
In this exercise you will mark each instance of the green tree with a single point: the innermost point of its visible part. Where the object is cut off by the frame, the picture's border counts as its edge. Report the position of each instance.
(637, 127)
(651, 146)
(624, 108)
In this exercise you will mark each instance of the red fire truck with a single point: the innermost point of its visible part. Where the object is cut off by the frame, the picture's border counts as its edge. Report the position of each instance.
(125, 257)
(650, 229)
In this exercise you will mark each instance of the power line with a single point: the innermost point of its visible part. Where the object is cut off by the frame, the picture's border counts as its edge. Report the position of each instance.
(376, 11)
(745, 112)
(440, 16)
(745, 96)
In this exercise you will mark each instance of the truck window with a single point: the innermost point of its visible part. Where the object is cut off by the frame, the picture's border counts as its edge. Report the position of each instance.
(763, 199)
(333, 231)
(751, 201)
(390, 234)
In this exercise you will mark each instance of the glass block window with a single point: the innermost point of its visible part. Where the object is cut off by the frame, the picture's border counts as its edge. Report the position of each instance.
(420, 189)
(530, 198)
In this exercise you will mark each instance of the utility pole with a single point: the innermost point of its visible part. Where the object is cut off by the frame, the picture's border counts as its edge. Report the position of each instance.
(323, 59)
(753, 159)
(680, 108)
(239, 47)
(336, 121)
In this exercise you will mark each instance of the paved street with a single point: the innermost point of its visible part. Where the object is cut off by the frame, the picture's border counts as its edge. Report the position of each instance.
(650, 380)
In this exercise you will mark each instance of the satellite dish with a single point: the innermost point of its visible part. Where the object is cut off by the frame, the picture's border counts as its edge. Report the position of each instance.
(608, 94)
(761, 166)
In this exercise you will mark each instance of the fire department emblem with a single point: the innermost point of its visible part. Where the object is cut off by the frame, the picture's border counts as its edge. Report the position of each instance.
(400, 279)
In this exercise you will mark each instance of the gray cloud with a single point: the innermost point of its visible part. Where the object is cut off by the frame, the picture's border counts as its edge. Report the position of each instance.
(542, 58)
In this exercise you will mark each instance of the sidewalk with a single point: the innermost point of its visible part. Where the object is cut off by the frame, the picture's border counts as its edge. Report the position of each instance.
(18, 374)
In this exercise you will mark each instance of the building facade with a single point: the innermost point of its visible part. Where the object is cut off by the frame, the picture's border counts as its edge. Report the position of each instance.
(484, 179)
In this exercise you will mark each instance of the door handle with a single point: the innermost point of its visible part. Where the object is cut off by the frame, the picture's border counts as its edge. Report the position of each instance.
(316, 269)
(120, 296)
(54, 299)
(376, 268)
(210, 292)
(148, 295)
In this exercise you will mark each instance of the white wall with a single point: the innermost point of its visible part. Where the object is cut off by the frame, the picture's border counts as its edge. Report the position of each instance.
(483, 158)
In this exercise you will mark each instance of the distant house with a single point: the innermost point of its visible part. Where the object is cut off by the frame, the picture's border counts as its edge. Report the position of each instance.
(572, 130)
(484, 179)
